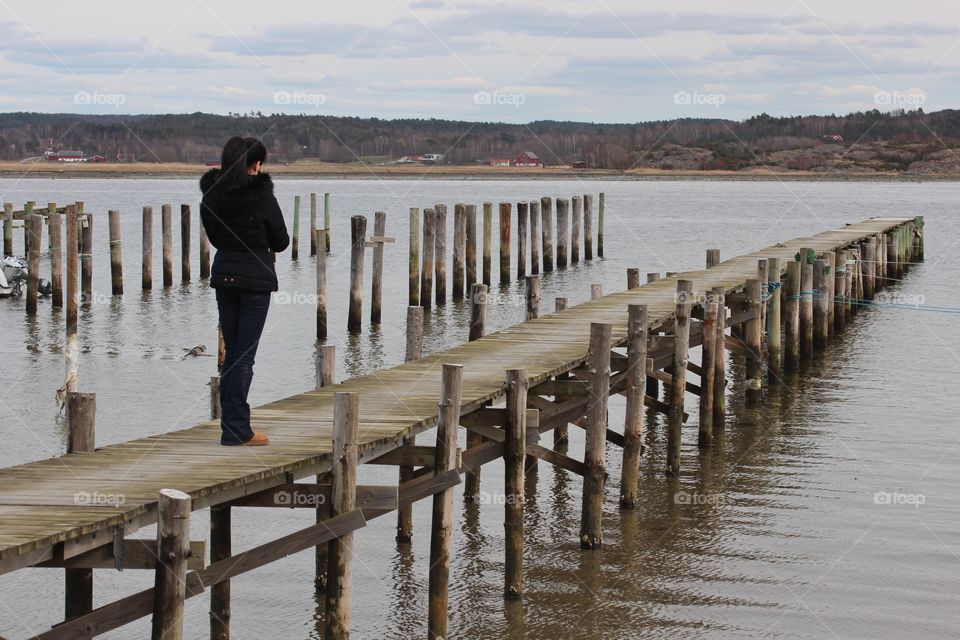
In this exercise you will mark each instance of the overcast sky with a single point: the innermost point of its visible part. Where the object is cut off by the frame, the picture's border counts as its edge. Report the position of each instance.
(608, 60)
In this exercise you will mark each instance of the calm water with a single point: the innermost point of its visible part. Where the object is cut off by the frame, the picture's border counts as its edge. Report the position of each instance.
(775, 533)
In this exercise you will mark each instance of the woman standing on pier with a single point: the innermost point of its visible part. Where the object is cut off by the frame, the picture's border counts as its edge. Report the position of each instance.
(244, 223)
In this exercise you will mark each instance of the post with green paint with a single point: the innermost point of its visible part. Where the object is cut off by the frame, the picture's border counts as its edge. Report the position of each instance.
(295, 242)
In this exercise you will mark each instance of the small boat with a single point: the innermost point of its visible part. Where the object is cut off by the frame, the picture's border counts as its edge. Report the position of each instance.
(13, 273)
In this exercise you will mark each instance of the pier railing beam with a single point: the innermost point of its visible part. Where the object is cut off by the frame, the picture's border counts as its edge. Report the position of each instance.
(594, 457)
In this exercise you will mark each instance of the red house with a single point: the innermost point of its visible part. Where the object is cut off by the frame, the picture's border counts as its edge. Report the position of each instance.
(527, 159)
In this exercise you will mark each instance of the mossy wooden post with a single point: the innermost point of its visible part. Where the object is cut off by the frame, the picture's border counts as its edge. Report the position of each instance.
(173, 551)
(753, 334)
(313, 224)
(720, 362)
(633, 278)
(514, 452)
(506, 211)
(413, 259)
(440, 253)
(204, 253)
(840, 280)
(33, 261)
(7, 228)
(441, 531)
(523, 218)
(185, 243)
(343, 480)
(166, 241)
(478, 319)
(71, 348)
(681, 342)
(600, 215)
(806, 304)
(546, 232)
(532, 297)
(791, 321)
(295, 239)
(774, 313)
(560, 433)
(116, 259)
(426, 267)
(471, 250)
(376, 286)
(821, 310)
(869, 251)
(326, 220)
(848, 288)
(358, 237)
(587, 226)
(576, 227)
(81, 438)
(146, 249)
(55, 225)
(707, 372)
(487, 243)
(321, 286)
(459, 250)
(414, 351)
(713, 258)
(563, 231)
(221, 548)
(534, 237)
(633, 415)
(595, 446)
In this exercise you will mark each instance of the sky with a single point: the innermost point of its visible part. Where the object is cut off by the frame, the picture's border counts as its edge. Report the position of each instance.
(518, 61)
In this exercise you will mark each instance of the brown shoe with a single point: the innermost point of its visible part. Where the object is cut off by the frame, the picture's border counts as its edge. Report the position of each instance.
(258, 440)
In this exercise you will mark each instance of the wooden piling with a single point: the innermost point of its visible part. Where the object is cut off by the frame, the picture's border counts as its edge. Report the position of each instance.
(173, 551)
(806, 305)
(831, 258)
(81, 438)
(445, 459)
(681, 341)
(653, 277)
(633, 278)
(326, 220)
(535, 237)
(487, 242)
(295, 239)
(523, 217)
(506, 210)
(869, 252)
(413, 259)
(576, 227)
(840, 281)
(561, 432)
(343, 480)
(514, 452)
(358, 237)
(166, 239)
(533, 297)
(600, 216)
(587, 226)
(321, 277)
(821, 308)
(221, 548)
(376, 287)
(28, 215)
(7, 228)
(478, 317)
(33, 262)
(546, 232)
(791, 320)
(893, 255)
(754, 339)
(563, 231)
(459, 249)
(713, 258)
(720, 362)
(774, 339)
(313, 224)
(204, 253)
(116, 260)
(707, 371)
(633, 415)
(325, 376)
(426, 267)
(71, 350)
(595, 446)
(440, 253)
(596, 291)
(55, 225)
(185, 243)
(471, 249)
(883, 274)
(414, 351)
(146, 251)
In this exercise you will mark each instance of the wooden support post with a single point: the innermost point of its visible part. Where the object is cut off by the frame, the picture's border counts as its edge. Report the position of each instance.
(413, 258)
(681, 341)
(471, 250)
(442, 528)
(560, 433)
(173, 551)
(7, 228)
(414, 351)
(707, 372)
(588, 227)
(633, 417)
(326, 376)
(81, 438)
(869, 253)
(146, 253)
(806, 305)
(753, 337)
(28, 214)
(326, 220)
(426, 267)
(440, 253)
(893, 255)
(33, 261)
(221, 548)
(166, 240)
(653, 277)
(478, 317)
(459, 249)
(546, 232)
(713, 258)
(204, 253)
(506, 210)
(55, 225)
(821, 311)
(576, 227)
(71, 350)
(523, 218)
(720, 362)
(533, 297)
(376, 287)
(840, 281)
(513, 456)
(313, 224)
(633, 278)
(295, 239)
(343, 480)
(848, 288)
(321, 286)
(215, 408)
(594, 456)
(600, 216)
(563, 231)
(487, 242)
(831, 258)
(185, 243)
(596, 291)
(774, 340)
(791, 322)
(883, 274)
(358, 238)
(116, 260)
(535, 237)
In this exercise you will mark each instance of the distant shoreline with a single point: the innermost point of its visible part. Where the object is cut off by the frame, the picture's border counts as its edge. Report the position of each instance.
(442, 172)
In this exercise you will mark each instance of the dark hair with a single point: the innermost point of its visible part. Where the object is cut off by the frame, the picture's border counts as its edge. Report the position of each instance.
(238, 155)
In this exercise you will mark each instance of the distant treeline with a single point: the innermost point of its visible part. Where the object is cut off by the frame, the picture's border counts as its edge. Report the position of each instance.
(196, 137)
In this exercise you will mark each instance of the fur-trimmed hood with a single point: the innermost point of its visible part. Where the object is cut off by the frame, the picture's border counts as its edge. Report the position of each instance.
(216, 194)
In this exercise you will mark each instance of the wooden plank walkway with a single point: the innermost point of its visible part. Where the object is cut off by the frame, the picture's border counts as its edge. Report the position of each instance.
(62, 499)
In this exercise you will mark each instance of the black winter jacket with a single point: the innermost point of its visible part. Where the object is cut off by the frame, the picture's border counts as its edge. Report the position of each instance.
(246, 227)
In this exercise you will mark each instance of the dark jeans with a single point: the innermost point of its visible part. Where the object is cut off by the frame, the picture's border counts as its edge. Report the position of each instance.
(242, 316)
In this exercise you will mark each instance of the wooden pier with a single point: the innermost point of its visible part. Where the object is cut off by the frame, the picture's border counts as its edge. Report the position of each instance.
(80, 511)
